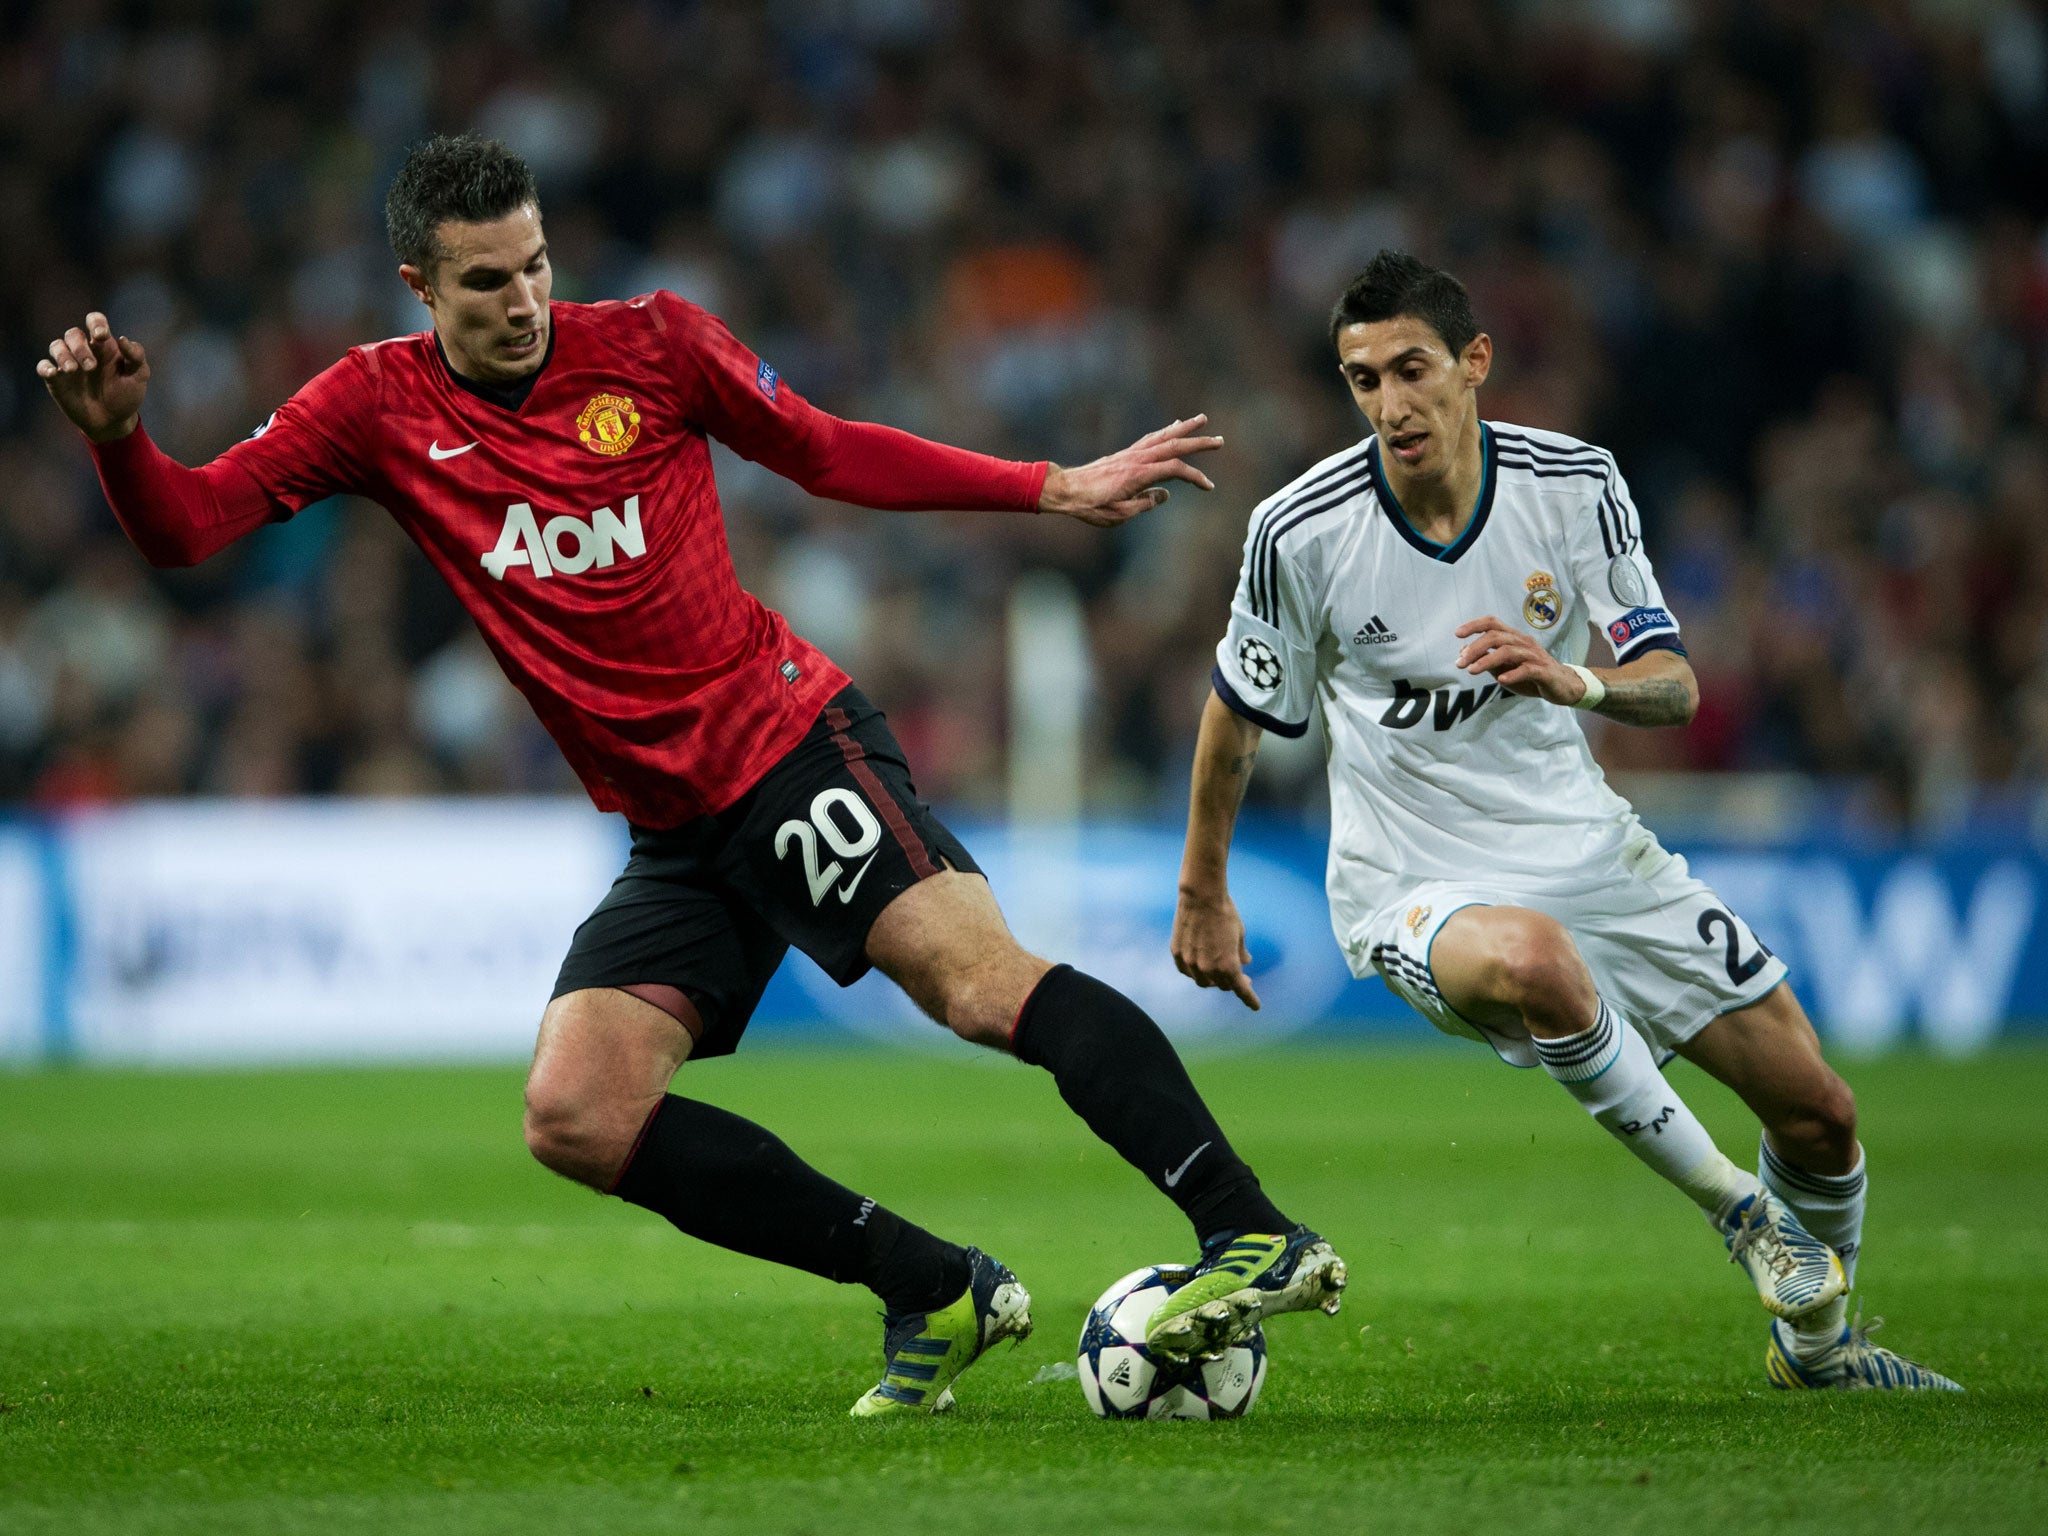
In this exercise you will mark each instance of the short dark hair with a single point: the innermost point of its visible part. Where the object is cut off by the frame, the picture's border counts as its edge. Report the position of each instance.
(1395, 283)
(462, 176)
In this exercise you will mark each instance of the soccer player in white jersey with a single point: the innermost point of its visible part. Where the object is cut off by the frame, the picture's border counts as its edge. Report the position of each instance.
(1430, 593)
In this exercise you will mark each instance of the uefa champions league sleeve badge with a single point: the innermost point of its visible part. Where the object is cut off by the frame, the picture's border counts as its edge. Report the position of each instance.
(1625, 582)
(1259, 663)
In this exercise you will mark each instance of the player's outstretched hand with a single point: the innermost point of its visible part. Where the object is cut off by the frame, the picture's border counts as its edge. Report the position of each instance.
(1116, 489)
(98, 378)
(1518, 662)
(1209, 946)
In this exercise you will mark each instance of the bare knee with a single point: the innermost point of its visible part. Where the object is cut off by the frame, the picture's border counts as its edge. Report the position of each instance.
(980, 1002)
(1535, 968)
(576, 1138)
(944, 942)
(1817, 1127)
(550, 1128)
(602, 1063)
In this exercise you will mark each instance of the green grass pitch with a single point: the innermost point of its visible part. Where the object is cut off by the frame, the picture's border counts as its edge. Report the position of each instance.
(345, 1302)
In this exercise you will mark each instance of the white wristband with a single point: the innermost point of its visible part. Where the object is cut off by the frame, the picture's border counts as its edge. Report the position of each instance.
(1595, 689)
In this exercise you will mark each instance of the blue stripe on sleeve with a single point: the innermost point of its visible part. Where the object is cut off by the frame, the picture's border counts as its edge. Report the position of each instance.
(1649, 643)
(1257, 717)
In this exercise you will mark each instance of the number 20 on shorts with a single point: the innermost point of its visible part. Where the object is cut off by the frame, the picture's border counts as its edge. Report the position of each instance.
(830, 810)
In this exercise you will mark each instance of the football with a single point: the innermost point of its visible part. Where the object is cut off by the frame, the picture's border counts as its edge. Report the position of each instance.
(1122, 1379)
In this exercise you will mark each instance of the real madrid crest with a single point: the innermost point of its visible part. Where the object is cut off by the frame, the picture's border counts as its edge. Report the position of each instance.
(609, 425)
(1542, 607)
(1416, 917)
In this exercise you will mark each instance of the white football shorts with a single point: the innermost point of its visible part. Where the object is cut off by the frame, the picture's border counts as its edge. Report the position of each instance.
(1662, 947)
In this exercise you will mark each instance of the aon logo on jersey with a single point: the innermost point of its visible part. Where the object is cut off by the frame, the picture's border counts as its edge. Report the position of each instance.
(570, 545)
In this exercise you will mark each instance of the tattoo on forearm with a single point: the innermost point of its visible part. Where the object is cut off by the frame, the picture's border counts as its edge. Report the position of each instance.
(1645, 701)
(1240, 771)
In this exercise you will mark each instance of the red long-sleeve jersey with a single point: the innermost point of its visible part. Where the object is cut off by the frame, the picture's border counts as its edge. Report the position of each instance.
(582, 528)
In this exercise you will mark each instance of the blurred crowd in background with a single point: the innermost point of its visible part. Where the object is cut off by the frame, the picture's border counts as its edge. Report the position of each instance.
(1787, 258)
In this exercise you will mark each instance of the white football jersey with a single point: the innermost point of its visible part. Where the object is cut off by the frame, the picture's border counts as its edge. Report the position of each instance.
(1435, 773)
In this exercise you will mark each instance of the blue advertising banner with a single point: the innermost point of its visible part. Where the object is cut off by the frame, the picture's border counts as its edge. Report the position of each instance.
(1946, 946)
(217, 931)
(25, 939)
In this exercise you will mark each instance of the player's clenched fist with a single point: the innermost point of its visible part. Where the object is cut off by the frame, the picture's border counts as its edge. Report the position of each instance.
(98, 378)
(1209, 946)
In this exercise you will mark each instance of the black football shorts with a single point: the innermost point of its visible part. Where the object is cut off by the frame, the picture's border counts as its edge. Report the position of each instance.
(809, 856)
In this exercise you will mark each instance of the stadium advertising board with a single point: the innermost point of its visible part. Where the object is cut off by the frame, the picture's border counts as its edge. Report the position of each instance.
(1101, 898)
(1945, 947)
(196, 932)
(239, 931)
(24, 939)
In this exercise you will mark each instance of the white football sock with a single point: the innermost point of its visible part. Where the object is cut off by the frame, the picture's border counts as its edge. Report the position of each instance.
(1830, 1206)
(1610, 1070)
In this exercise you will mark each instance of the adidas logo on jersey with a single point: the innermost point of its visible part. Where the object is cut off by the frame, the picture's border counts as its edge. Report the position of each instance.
(1374, 632)
(568, 545)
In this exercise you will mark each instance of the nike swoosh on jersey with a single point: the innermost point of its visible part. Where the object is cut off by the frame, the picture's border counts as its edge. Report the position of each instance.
(1173, 1178)
(436, 451)
(845, 892)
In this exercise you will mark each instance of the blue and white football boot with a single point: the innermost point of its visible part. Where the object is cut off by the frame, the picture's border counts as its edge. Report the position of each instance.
(1852, 1364)
(924, 1352)
(1242, 1278)
(1795, 1272)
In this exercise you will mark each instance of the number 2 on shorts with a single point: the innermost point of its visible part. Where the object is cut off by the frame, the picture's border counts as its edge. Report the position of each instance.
(825, 823)
(1739, 970)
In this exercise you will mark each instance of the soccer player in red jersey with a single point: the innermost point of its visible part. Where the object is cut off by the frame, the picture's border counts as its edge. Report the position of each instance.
(553, 462)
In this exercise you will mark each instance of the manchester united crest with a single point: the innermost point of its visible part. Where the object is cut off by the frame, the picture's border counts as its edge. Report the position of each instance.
(1542, 607)
(609, 425)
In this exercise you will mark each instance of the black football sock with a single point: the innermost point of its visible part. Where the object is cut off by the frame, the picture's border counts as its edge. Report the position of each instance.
(1118, 1072)
(727, 1181)
(911, 1270)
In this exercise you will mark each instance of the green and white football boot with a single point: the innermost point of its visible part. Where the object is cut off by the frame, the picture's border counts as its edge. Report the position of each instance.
(924, 1352)
(1795, 1272)
(1853, 1364)
(1243, 1278)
